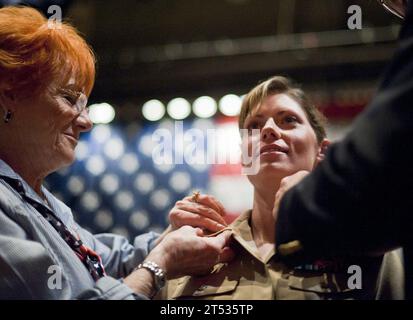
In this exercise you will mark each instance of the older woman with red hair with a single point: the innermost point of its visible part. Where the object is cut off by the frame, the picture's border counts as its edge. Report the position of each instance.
(47, 72)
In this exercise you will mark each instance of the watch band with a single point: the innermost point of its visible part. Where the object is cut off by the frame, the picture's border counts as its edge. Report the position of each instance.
(159, 274)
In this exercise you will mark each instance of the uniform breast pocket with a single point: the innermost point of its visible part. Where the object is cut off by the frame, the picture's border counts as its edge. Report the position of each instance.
(316, 287)
(206, 288)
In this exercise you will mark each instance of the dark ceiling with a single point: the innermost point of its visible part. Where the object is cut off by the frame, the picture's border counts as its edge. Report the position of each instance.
(164, 48)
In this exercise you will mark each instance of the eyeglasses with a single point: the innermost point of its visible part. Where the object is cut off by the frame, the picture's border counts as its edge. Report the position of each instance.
(77, 100)
(396, 7)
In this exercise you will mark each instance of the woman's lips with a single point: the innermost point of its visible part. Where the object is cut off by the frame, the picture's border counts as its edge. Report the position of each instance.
(273, 149)
(270, 151)
(272, 156)
(71, 138)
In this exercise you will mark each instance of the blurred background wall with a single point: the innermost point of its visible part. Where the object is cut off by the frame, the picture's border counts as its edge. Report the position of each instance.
(192, 61)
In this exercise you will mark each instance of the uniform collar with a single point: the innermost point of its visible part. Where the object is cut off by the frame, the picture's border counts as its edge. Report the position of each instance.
(243, 234)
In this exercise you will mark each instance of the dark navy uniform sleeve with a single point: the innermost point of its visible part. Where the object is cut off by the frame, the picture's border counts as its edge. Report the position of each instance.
(360, 198)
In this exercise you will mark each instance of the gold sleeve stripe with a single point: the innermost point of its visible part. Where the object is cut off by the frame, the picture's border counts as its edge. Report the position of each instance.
(290, 248)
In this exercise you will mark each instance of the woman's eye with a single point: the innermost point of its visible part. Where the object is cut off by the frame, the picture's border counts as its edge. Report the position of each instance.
(69, 98)
(252, 126)
(290, 119)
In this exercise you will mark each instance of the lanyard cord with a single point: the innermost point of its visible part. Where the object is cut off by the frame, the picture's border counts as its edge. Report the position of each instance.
(89, 258)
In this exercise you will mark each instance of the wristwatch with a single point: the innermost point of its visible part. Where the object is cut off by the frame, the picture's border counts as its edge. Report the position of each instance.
(158, 273)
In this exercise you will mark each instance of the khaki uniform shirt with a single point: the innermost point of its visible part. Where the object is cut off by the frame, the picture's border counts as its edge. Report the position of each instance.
(250, 276)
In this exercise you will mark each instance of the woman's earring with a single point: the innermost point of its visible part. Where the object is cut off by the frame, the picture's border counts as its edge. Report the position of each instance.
(7, 116)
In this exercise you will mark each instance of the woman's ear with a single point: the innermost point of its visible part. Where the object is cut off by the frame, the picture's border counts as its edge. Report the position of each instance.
(7, 100)
(322, 149)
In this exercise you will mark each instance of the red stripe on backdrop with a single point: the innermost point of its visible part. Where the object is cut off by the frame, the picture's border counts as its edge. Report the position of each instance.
(333, 111)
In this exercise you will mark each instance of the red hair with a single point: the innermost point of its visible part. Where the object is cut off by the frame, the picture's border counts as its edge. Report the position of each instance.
(34, 52)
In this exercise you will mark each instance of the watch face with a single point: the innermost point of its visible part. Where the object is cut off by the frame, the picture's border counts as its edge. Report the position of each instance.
(397, 7)
(160, 282)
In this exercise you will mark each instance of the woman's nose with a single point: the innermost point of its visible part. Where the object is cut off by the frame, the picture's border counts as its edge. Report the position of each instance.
(270, 132)
(83, 122)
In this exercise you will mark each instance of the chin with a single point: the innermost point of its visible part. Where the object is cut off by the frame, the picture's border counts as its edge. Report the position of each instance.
(274, 171)
(68, 158)
(274, 168)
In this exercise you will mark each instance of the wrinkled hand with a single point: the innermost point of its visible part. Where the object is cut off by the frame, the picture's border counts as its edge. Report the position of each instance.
(207, 213)
(286, 184)
(187, 252)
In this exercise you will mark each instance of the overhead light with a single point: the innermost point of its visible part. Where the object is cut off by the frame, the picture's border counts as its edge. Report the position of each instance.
(153, 110)
(178, 108)
(204, 107)
(101, 113)
(230, 105)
